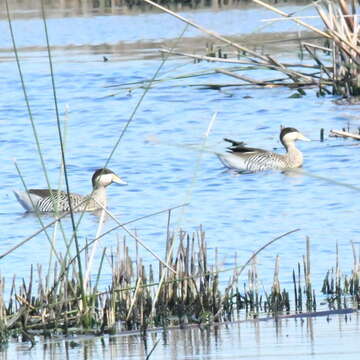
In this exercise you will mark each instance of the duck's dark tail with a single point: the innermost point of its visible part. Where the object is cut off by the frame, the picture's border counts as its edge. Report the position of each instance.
(235, 143)
(236, 146)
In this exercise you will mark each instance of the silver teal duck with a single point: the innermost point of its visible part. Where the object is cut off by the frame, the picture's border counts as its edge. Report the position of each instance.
(247, 159)
(44, 200)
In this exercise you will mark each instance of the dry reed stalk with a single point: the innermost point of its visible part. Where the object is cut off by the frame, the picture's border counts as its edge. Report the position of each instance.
(310, 299)
(277, 301)
(276, 282)
(253, 285)
(344, 134)
(317, 59)
(245, 78)
(152, 349)
(317, 47)
(134, 298)
(342, 31)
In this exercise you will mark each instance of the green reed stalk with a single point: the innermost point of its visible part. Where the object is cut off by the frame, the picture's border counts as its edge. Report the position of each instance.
(147, 88)
(36, 137)
(56, 206)
(99, 270)
(25, 95)
(63, 155)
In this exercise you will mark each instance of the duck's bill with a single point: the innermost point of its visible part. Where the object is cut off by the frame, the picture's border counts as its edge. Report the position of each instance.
(303, 138)
(118, 180)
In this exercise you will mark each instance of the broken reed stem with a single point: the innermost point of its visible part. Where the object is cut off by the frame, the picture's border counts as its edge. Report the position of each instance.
(276, 281)
(318, 47)
(243, 78)
(344, 134)
(134, 298)
(292, 18)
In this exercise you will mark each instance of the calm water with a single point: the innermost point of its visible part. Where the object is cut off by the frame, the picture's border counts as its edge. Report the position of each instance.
(239, 212)
(320, 338)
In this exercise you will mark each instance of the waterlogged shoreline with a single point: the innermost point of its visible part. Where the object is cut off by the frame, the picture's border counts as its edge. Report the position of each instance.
(320, 338)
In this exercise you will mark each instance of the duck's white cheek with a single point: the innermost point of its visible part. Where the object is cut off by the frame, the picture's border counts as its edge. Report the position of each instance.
(290, 137)
(105, 179)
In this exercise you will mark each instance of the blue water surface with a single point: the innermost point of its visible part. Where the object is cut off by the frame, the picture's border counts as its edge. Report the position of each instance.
(239, 213)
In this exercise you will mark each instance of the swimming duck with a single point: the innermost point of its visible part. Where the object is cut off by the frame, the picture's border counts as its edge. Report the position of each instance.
(244, 158)
(44, 200)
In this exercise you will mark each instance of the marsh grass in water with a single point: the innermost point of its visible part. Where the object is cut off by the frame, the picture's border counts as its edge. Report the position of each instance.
(136, 299)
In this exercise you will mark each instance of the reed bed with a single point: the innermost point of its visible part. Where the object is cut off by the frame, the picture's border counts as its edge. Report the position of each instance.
(141, 297)
(335, 55)
(338, 287)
